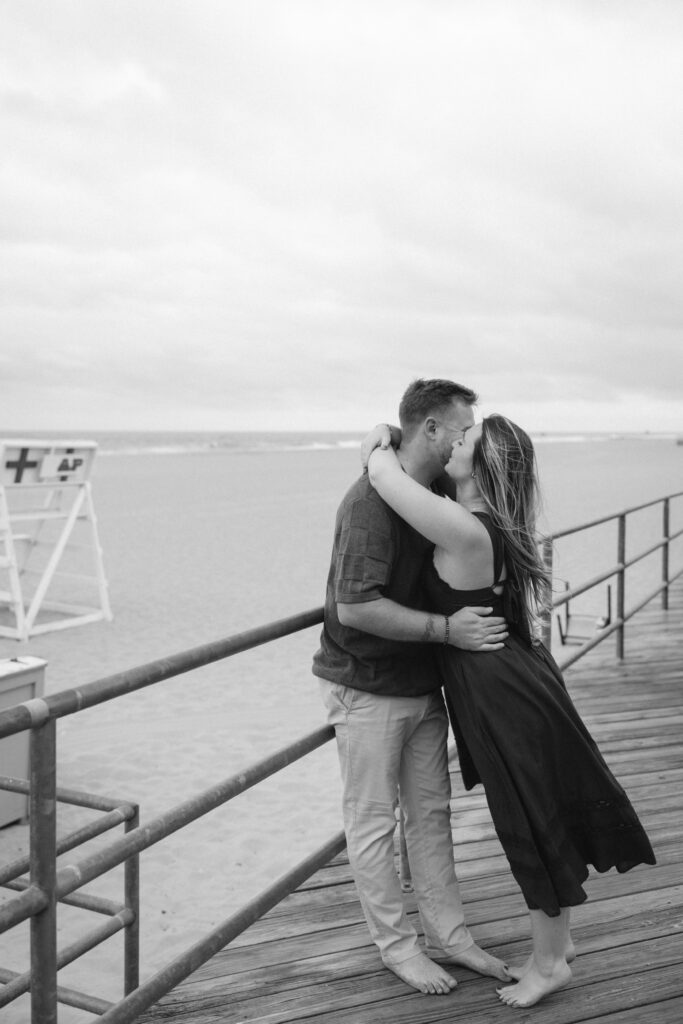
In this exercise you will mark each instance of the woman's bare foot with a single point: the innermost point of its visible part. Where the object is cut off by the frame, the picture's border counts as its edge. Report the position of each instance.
(423, 974)
(476, 959)
(536, 984)
(518, 972)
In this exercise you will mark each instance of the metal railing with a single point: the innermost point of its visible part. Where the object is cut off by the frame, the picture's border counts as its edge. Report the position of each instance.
(38, 895)
(618, 570)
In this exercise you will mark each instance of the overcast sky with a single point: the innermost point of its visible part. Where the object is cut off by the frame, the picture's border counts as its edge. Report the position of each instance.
(276, 213)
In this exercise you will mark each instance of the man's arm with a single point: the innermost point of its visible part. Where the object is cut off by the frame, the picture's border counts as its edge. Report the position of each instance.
(470, 629)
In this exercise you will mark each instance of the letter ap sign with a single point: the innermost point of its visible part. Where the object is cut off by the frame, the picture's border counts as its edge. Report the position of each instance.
(40, 463)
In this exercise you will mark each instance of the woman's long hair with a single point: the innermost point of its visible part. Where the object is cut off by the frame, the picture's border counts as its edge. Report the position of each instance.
(504, 464)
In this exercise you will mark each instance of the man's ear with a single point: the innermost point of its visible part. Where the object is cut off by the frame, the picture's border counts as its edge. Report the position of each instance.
(430, 427)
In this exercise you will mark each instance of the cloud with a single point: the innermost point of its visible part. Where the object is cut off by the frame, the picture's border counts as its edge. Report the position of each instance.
(287, 211)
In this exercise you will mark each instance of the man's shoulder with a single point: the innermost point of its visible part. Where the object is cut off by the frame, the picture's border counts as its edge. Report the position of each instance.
(362, 508)
(362, 491)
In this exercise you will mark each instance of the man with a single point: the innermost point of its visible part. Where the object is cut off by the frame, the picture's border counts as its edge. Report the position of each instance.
(382, 692)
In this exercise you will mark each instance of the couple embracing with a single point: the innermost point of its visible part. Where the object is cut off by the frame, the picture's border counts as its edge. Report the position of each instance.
(432, 591)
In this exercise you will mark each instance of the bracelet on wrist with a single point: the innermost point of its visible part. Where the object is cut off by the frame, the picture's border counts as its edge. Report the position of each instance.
(447, 630)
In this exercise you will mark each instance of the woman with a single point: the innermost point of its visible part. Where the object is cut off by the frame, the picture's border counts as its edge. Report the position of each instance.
(555, 805)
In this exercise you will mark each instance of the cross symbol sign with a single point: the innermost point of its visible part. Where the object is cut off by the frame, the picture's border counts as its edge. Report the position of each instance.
(21, 464)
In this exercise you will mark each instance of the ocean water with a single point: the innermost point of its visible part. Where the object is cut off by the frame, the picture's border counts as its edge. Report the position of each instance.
(141, 442)
(205, 534)
(124, 442)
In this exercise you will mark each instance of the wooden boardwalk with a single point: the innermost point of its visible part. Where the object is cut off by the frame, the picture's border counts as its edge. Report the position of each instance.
(311, 959)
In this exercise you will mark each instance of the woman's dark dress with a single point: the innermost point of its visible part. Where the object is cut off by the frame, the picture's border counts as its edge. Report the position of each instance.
(554, 802)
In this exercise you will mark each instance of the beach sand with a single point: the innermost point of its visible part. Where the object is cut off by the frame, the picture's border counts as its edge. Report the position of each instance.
(199, 547)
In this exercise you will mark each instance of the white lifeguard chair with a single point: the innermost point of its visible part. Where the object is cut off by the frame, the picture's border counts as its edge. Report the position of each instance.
(48, 538)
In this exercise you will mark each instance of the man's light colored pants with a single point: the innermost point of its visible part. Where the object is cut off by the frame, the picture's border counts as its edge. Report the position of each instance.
(389, 745)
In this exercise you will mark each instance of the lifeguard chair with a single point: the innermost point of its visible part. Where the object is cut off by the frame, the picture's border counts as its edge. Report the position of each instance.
(48, 538)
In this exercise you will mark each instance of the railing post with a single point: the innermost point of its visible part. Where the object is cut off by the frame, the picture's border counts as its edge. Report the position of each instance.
(43, 857)
(546, 620)
(621, 585)
(666, 533)
(131, 941)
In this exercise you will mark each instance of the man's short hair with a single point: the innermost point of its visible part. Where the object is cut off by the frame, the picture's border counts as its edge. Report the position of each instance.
(425, 398)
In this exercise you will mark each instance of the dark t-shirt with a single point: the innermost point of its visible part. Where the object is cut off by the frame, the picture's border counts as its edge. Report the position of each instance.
(375, 554)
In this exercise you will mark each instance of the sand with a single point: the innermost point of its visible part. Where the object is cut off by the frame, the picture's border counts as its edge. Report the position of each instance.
(199, 547)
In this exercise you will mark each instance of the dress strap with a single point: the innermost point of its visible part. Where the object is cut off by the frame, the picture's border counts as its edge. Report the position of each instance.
(497, 544)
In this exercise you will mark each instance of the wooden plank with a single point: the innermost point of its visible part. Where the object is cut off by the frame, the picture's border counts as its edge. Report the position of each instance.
(497, 904)
(658, 1011)
(256, 981)
(664, 831)
(636, 925)
(380, 996)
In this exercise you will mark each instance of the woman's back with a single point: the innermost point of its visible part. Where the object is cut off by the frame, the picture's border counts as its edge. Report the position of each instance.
(475, 565)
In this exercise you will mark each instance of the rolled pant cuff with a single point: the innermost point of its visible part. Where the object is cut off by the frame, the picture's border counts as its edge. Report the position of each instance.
(392, 961)
(434, 953)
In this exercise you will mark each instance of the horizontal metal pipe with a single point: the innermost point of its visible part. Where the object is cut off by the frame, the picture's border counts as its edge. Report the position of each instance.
(97, 935)
(98, 904)
(648, 551)
(646, 600)
(21, 983)
(82, 1001)
(583, 526)
(590, 644)
(568, 595)
(94, 828)
(68, 996)
(616, 624)
(92, 801)
(643, 554)
(183, 965)
(606, 519)
(72, 876)
(18, 718)
(21, 907)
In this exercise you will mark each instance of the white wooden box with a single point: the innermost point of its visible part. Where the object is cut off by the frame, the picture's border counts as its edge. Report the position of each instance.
(20, 679)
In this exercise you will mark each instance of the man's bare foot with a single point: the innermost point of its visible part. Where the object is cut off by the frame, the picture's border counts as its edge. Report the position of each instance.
(476, 959)
(518, 972)
(536, 984)
(424, 975)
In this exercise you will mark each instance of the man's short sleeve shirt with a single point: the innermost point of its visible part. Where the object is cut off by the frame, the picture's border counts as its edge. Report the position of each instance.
(375, 554)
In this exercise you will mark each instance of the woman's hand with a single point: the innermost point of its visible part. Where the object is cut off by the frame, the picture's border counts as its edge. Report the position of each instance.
(384, 435)
(382, 465)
